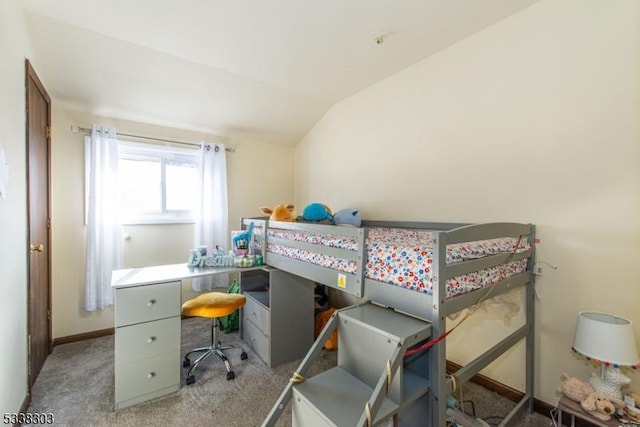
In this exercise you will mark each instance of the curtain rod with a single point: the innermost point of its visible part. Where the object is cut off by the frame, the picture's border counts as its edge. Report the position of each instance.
(77, 129)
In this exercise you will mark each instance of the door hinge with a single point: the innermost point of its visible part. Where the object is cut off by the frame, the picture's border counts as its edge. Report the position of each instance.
(28, 357)
(48, 130)
(49, 315)
(49, 223)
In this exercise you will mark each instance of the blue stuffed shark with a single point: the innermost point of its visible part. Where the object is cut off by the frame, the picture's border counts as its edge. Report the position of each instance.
(347, 217)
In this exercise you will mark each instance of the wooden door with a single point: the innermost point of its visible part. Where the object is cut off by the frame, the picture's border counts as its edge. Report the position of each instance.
(39, 223)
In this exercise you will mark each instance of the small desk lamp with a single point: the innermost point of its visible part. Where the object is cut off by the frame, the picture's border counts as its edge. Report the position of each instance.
(607, 341)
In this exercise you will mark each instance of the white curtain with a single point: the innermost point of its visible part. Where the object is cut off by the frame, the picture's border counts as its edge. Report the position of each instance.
(212, 210)
(103, 251)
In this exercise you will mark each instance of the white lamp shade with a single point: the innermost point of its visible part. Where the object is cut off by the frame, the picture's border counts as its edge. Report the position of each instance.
(606, 338)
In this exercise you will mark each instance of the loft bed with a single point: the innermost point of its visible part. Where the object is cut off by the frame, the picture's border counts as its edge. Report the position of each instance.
(422, 269)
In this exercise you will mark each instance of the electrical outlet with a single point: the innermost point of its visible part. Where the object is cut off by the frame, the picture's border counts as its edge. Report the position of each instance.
(537, 269)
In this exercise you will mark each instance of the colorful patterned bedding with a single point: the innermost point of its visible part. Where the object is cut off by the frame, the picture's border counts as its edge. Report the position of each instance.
(403, 257)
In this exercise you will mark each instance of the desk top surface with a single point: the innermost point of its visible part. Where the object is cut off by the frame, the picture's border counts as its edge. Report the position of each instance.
(167, 273)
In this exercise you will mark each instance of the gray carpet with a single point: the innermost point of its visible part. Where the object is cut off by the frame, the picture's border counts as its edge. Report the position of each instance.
(76, 385)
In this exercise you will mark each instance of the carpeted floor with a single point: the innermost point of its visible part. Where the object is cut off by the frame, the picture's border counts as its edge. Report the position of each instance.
(76, 385)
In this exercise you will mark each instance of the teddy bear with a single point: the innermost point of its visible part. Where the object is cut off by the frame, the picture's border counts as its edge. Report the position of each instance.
(598, 406)
(595, 404)
(279, 213)
(573, 388)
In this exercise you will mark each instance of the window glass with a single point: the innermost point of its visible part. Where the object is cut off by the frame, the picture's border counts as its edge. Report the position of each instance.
(181, 189)
(140, 186)
(157, 183)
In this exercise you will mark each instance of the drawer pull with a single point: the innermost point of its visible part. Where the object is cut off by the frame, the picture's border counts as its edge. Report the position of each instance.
(151, 339)
(151, 302)
(151, 375)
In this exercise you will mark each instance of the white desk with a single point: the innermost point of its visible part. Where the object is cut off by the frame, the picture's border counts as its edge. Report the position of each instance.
(148, 305)
(166, 273)
(147, 319)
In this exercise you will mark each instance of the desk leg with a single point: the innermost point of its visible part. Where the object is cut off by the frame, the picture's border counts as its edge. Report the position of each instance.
(559, 417)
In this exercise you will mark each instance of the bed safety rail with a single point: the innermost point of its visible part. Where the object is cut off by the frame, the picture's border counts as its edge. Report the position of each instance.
(351, 283)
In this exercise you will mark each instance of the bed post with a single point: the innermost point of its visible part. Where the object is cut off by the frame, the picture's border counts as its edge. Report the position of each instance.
(438, 354)
(530, 302)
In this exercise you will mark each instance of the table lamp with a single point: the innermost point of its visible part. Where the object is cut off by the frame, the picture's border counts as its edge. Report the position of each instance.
(607, 341)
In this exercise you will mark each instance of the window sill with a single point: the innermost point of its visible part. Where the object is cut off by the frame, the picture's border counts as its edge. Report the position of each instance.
(158, 221)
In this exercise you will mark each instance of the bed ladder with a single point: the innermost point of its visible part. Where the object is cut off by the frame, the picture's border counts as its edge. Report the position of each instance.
(373, 383)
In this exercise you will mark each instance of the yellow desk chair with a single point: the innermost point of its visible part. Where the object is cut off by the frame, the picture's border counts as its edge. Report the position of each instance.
(212, 305)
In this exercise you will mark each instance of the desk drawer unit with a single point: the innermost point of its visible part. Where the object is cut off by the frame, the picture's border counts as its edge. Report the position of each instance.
(147, 342)
(258, 341)
(257, 313)
(277, 319)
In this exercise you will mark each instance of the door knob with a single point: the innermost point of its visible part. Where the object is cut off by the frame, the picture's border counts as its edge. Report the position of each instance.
(34, 248)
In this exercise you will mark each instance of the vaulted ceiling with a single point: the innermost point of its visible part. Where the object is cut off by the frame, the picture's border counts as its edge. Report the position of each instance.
(246, 69)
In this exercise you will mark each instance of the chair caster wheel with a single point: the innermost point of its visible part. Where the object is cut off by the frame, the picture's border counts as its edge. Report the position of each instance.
(191, 379)
(230, 375)
(186, 362)
(244, 355)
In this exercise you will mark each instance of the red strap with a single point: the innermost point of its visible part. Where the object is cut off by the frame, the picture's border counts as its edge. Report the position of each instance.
(436, 340)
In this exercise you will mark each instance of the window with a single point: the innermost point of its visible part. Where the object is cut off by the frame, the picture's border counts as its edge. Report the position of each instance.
(157, 183)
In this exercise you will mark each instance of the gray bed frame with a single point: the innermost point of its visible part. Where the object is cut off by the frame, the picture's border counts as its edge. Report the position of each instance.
(432, 308)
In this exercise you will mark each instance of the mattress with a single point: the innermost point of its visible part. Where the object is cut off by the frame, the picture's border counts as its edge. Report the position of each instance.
(403, 257)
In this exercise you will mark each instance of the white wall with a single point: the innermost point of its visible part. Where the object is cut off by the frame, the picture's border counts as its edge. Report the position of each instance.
(13, 208)
(535, 119)
(250, 186)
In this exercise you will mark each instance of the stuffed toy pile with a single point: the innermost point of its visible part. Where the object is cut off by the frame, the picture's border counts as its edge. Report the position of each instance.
(316, 213)
(595, 404)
